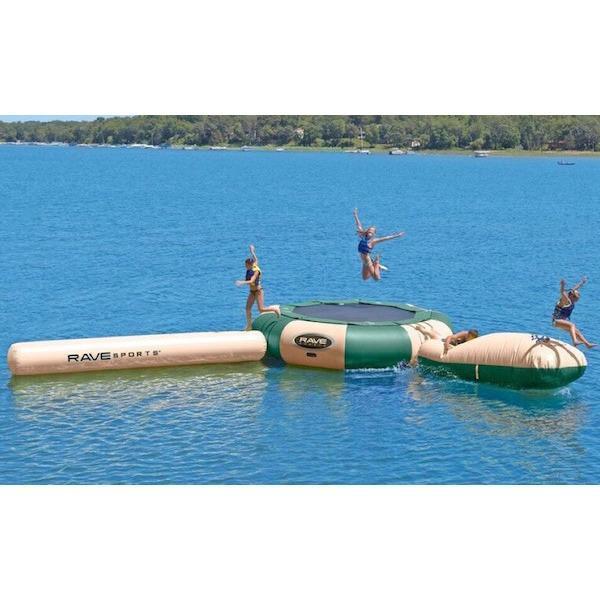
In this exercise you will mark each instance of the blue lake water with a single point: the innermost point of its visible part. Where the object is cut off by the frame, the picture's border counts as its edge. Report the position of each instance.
(123, 241)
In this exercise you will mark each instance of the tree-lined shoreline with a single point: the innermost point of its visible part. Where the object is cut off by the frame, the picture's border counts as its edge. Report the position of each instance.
(506, 134)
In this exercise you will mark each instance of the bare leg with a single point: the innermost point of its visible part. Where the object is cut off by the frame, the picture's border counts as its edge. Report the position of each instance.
(367, 269)
(261, 304)
(580, 337)
(575, 334)
(567, 326)
(249, 303)
(376, 269)
(428, 333)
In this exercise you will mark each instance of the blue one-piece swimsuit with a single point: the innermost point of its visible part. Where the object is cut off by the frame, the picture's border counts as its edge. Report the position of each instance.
(563, 312)
(363, 246)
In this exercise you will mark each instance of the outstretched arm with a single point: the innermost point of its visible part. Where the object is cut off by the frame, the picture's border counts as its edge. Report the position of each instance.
(581, 283)
(359, 226)
(386, 238)
(563, 291)
(253, 253)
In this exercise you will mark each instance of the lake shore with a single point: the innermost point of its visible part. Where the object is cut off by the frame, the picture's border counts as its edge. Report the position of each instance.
(325, 149)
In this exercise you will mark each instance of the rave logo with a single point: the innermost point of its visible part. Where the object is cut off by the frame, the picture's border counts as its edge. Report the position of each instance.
(91, 357)
(313, 341)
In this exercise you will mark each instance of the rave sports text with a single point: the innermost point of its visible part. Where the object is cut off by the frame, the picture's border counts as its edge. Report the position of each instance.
(90, 356)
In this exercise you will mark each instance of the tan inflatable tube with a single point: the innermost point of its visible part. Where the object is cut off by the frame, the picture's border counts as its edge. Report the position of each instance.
(507, 350)
(135, 352)
(433, 327)
(521, 360)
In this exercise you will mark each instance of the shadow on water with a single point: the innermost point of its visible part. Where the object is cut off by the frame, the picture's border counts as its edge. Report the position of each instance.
(503, 411)
(165, 387)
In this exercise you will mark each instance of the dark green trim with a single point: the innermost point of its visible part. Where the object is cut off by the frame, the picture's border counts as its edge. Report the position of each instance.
(440, 316)
(371, 347)
(516, 377)
(271, 327)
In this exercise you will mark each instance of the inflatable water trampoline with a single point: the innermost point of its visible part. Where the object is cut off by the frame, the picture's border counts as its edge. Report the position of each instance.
(340, 334)
(348, 334)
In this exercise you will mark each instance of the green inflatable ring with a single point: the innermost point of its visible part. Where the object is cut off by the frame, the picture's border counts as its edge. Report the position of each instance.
(346, 334)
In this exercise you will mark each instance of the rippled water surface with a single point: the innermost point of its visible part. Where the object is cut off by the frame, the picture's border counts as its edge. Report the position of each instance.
(123, 241)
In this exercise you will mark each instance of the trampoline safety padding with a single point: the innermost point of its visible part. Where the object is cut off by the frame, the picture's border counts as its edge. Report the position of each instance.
(348, 334)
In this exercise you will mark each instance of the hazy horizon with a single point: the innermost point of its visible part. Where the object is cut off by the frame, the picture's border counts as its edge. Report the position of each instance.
(48, 118)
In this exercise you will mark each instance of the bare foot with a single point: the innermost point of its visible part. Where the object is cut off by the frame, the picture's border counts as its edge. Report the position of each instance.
(590, 346)
(377, 261)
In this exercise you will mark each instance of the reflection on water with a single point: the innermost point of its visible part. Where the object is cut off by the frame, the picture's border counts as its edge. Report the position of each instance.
(501, 411)
(256, 422)
(168, 387)
(299, 385)
(296, 382)
(504, 412)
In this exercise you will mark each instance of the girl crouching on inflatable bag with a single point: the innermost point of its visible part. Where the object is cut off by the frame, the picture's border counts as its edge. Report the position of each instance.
(451, 340)
(370, 267)
(253, 274)
(561, 317)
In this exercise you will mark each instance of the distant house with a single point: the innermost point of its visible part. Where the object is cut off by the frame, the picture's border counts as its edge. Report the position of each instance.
(415, 144)
(299, 132)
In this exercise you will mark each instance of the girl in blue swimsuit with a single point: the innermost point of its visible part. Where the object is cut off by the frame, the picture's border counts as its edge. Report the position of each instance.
(561, 317)
(370, 267)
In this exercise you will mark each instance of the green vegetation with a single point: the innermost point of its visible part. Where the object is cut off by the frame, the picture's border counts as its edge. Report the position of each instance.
(531, 133)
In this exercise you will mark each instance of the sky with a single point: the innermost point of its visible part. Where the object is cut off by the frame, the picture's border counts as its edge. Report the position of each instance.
(12, 118)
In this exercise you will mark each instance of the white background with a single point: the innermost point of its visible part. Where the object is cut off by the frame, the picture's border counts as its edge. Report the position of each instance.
(307, 57)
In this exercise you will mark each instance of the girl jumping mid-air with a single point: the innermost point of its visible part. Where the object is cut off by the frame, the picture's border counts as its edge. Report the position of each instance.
(561, 317)
(371, 267)
(253, 274)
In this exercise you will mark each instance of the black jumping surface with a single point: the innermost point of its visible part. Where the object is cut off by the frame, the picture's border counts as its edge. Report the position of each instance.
(356, 312)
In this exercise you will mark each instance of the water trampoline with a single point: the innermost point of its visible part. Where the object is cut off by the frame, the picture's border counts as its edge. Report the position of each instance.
(337, 334)
(347, 334)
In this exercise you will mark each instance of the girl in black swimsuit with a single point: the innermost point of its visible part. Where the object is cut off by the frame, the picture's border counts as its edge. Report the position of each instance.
(561, 317)
(255, 294)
